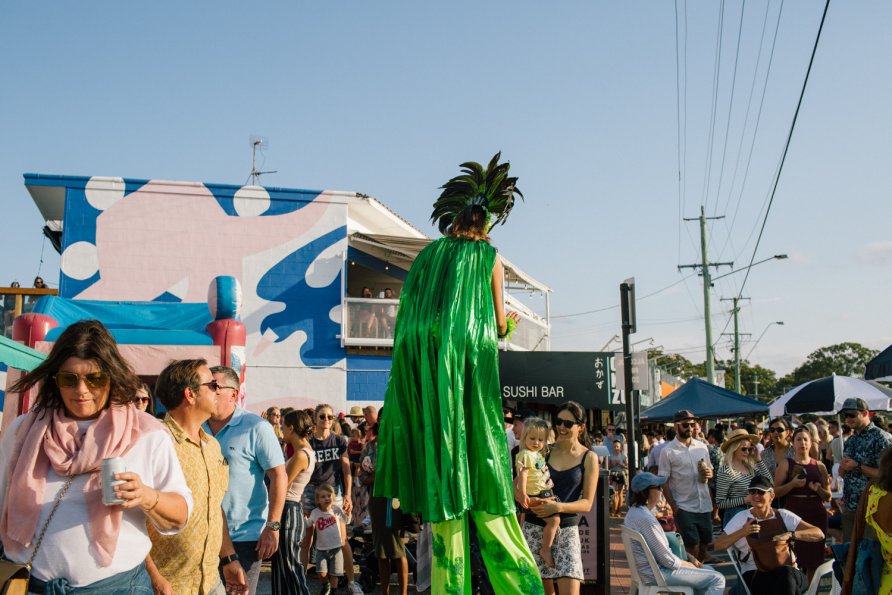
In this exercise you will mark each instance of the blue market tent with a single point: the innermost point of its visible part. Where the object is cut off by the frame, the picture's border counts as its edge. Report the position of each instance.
(704, 400)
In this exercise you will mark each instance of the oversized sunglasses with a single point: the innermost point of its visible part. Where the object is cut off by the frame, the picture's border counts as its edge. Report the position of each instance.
(777, 430)
(746, 449)
(72, 380)
(758, 492)
(567, 423)
(324, 417)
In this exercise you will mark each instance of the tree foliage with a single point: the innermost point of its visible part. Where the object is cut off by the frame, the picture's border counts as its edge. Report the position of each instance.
(842, 359)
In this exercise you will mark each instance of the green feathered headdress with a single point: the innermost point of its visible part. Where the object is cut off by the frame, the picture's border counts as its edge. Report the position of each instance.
(490, 189)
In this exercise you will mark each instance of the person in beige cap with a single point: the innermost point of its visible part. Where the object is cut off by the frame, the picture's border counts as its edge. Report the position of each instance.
(738, 467)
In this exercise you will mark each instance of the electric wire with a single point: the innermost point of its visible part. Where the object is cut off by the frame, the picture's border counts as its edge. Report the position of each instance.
(606, 308)
(786, 148)
(755, 130)
(718, 191)
(715, 94)
(678, 128)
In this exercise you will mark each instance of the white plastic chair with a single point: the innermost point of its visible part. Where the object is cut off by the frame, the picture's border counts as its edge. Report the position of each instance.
(637, 586)
(822, 571)
(735, 561)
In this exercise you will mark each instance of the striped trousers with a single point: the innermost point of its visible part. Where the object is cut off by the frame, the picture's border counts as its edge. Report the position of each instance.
(288, 575)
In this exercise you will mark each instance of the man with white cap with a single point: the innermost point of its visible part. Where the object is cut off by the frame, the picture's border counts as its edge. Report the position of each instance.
(645, 496)
(686, 465)
(761, 524)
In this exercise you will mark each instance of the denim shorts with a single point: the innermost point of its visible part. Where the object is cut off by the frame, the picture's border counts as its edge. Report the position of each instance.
(330, 561)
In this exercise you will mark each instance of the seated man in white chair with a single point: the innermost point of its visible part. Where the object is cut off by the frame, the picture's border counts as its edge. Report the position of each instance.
(645, 496)
(759, 535)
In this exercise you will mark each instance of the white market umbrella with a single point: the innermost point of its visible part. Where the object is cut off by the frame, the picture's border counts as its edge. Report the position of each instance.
(826, 395)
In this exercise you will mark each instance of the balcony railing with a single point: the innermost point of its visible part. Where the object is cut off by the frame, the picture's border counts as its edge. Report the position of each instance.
(15, 301)
(369, 322)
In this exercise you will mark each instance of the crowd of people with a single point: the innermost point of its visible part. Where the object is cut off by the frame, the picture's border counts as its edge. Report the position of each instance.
(291, 485)
(778, 495)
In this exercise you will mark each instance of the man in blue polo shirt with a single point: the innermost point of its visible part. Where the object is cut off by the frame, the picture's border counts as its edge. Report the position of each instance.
(252, 451)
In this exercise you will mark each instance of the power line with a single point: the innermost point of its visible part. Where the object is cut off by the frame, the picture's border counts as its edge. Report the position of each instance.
(755, 131)
(704, 201)
(787, 144)
(606, 308)
(718, 190)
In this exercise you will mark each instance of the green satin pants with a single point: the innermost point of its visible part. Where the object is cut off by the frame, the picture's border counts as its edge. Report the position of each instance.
(508, 560)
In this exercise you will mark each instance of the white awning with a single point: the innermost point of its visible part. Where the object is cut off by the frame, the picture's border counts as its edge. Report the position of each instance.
(402, 251)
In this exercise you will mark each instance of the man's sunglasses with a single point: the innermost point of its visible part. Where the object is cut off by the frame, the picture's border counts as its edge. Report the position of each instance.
(851, 415)
(213, 385)
(72, 380)
(777, 430)
(687, 424)
(567, 423)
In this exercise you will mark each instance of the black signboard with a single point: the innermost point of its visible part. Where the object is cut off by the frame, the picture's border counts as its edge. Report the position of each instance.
(555, 377)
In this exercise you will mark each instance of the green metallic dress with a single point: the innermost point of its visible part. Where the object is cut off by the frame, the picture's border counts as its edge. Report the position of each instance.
(442, 444)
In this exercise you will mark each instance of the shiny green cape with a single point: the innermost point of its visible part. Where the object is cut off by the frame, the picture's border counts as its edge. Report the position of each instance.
(442, 448)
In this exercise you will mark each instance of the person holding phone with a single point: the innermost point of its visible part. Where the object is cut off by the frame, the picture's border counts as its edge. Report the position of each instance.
(762, 524)
(806, 484)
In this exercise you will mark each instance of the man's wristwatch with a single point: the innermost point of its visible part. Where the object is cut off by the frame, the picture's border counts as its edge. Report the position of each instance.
(273, 525)
(228, 559)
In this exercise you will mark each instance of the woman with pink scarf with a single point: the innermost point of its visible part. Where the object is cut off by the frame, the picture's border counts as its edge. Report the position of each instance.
(51, 457)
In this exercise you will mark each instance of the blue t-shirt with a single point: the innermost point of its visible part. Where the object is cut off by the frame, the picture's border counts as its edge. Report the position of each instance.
(250, 448)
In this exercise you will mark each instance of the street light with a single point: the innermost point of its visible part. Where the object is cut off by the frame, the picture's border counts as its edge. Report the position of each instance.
(753, 348)
(775, 257)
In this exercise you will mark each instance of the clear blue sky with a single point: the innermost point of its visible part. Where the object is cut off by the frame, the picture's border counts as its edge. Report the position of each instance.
(386, 98)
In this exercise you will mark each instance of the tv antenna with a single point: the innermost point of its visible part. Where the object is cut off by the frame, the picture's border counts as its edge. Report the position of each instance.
(257, 143)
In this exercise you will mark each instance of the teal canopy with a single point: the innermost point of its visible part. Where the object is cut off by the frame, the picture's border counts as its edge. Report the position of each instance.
(16, 355)
(704, 400)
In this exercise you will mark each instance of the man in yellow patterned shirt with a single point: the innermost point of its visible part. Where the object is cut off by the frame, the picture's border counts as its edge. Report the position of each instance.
(187, 563)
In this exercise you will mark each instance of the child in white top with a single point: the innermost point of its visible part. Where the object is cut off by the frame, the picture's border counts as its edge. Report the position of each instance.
(534, 480)
(327, 523)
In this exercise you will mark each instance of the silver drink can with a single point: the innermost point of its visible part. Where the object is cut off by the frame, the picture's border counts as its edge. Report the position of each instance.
(110, 467)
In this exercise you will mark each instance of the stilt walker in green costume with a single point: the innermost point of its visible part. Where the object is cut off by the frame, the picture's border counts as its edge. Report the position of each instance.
(442, 447)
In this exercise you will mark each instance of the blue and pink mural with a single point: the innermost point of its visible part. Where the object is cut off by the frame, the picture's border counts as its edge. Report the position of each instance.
(162, 241)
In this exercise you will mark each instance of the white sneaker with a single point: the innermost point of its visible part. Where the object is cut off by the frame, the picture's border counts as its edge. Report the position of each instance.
(355, 589)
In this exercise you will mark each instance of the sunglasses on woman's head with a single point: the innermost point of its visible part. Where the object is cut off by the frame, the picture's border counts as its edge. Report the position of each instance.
(72, 380)
(567, 423)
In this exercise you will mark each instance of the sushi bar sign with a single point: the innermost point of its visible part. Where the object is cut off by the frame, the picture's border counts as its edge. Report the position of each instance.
(554, 377)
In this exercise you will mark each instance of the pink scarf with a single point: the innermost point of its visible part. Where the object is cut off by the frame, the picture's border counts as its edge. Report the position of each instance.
(51, 438)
